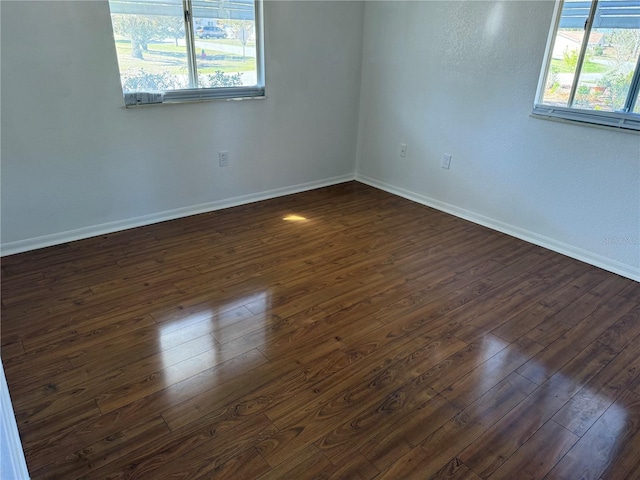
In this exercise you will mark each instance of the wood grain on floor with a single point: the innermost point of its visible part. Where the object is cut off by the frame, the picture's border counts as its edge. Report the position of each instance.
(338, 333)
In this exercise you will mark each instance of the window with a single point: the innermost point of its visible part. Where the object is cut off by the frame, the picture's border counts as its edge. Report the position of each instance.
(185, 50)
(592, 64)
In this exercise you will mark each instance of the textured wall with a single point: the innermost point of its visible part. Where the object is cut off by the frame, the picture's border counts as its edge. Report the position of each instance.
(460, 78)
(73, 157)
(444, 77)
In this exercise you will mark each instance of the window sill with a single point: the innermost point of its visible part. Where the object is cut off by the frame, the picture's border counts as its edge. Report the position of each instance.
(144, 99)
(198, 100)
(629, 123)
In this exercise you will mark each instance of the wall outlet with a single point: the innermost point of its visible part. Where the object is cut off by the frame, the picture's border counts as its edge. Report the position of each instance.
(223, 158)
(446, 161)
(403, 150)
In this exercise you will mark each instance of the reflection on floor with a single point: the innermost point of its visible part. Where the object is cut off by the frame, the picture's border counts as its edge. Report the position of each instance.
(337, 333)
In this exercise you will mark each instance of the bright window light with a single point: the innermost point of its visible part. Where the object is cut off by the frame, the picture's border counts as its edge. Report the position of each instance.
(186, 50)
(591, 73)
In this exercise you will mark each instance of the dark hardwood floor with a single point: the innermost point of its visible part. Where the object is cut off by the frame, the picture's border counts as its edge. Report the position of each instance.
(337, 333)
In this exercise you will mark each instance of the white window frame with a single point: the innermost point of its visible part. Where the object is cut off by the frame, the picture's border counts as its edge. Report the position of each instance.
(195, 94)
(624, 120)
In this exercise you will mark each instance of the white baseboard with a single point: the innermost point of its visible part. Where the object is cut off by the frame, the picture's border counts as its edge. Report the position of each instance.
(20, 246)
(526, 235)
(605, 263)
(12, 462)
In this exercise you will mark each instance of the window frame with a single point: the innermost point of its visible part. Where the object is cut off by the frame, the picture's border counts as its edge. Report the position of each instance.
(197, 94)
(623, 120)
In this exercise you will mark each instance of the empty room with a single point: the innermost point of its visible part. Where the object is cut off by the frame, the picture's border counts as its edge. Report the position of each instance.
(291, 239)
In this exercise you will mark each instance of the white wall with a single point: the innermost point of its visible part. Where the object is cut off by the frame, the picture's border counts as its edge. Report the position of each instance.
(444, 77)
(76, 162)
(460, 78)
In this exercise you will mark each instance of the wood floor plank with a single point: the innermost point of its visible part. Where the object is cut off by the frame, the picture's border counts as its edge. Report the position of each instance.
(428, 457)
(353, 465)
(566, 319)
(550, 305)
(105, 451)
(202, 403)
(390, 443)
(231, 454)
(188, 454)
(53, 325)
(538, 455)
(398, 404)
(91, 380)
(171, 447)
(309, 463)
(149, 340)
(455, 470)
(92, 428)
(623, 332)
(144, 386)
(47, 433)
(11, 350)
(626, 463)
(34, 298)
(579, 414)
(540, 284)
(601, 445)
(248, 464)
(307, 425)
(87, 338)
(549, 360)
(415, 303)
(512, 431)
(286, 334)
(373, 337)
(463, 361)
(368, 359)
(601, 391)
(19, 371)
(485, 376)
(513, 280)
